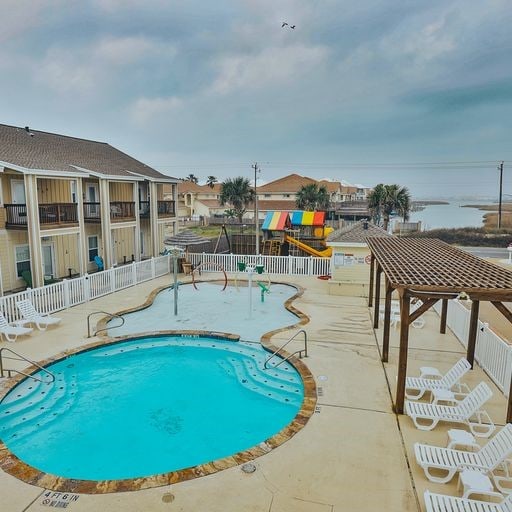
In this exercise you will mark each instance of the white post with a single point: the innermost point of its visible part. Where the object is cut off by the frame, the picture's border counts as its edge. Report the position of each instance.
(250, 272)
(87, 288)
(134, 273)
(66, 294)
(152, 267)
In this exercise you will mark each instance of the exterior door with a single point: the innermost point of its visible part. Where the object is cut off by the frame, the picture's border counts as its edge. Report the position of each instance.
(92, 198)
(19, 213)
(48, 260)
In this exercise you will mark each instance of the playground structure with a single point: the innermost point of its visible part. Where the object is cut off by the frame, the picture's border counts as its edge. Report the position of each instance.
(295, 233)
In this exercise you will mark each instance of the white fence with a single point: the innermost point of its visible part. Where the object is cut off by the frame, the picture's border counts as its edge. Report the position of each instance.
(70, 292)
(288, 265)
(492, 353)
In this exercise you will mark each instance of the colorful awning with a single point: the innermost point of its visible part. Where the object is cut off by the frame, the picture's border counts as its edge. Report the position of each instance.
(276, 221)
(308, 218)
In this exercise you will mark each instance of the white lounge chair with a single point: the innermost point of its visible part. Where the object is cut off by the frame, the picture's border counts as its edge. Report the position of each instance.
(11, 332)
(416, 387)
(448, 462)
(426, 416)
(443, 503)
(31, 315)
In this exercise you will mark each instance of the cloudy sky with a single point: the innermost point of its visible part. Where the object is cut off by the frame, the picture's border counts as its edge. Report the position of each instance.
(410, 91)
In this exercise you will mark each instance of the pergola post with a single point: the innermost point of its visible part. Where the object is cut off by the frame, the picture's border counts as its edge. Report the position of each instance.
(372, 272)
(377, 298)
(444, 315)
(387, 322)
(473, 324)
(509, 408)
(402, 356)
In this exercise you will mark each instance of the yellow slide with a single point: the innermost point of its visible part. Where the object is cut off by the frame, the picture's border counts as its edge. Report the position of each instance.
(326, 253)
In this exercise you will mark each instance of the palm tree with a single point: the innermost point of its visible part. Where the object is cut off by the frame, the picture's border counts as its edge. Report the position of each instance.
(192, 178)
(211, 180)
(312, 198)
(384, 200)
(238, 193)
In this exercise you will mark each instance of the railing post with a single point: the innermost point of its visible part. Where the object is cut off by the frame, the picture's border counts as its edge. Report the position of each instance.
(134, 273)
(111, 274)
(289, 265)
(67, 300)
(87, 288)
(152, 267)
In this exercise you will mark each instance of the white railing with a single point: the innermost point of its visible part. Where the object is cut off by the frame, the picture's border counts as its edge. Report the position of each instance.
(493, 354)
(288, 265)
(70, 292)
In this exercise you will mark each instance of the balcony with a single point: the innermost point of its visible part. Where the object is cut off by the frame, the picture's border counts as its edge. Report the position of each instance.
(50, 215)
(121, 211)
(166, 208)
(144, 209)
(92, 212)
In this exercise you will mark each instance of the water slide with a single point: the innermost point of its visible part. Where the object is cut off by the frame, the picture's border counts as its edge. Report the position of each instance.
(326, 253)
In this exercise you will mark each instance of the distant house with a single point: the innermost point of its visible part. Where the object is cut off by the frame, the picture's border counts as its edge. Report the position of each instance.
(65, 200)
(195, 201)
(350, 260)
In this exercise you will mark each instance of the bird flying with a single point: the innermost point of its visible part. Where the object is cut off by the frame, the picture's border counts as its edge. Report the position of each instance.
(284, 24)
(292, 26)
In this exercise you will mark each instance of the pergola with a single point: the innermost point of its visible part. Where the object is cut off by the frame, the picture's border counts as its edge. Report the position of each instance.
(432, 270)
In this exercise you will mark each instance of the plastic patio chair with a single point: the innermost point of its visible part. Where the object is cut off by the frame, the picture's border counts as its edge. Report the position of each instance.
(426, 416)
(443, 503)
(99, 262)
(31, 315)
(416, 387)
(11, 332)
(449, 461)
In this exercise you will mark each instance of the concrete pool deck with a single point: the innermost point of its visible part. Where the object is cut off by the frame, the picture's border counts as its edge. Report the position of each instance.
(353, 454)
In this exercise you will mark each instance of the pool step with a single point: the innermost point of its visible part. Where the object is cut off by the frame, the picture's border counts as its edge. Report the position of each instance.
(41, 404)
(253, 379)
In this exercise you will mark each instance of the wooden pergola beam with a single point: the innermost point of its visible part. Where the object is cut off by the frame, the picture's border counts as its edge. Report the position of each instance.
(387, 322)
(503, 310)
(473, 326)
(444, 316)
(377, 297)
(372, 275)
(404, 346)
(422, 309)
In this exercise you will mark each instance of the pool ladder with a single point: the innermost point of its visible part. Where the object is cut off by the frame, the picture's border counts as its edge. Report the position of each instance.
(300, 352)
(19, 357)
(110, 315)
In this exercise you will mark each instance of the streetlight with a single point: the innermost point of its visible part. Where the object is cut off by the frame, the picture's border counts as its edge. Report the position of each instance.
(256, 213)
(176, 252)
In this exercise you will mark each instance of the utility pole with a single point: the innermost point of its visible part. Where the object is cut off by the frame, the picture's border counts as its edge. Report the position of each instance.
(256, 213)
(500, 168)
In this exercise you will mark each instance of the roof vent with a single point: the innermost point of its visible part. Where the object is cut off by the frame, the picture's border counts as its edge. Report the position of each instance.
(365, 224)
(27, 129)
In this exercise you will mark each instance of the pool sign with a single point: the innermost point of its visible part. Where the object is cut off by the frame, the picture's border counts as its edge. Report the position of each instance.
(58, 499)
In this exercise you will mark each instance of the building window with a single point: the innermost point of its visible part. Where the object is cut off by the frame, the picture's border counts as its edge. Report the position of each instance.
(22, 255)
(93, 247)
(267, 195)
(286, 195)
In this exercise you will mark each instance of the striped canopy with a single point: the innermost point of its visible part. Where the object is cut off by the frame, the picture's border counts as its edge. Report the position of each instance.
(280, 221)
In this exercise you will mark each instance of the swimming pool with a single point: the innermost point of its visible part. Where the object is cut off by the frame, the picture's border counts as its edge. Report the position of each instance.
(148, 406)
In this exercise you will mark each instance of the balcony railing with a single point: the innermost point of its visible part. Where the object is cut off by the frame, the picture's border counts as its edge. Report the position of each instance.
(122, 210)
(56, 213)
(166, 208)
(92, 212)
(144, 209)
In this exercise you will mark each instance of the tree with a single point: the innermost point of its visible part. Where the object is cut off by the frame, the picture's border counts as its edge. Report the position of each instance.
(238, 193)
(312, 198)
(211, 180)
(192, 178)
(384, 200)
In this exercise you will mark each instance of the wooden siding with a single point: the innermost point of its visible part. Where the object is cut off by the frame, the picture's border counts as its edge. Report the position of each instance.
(53, 191)
(121, 191)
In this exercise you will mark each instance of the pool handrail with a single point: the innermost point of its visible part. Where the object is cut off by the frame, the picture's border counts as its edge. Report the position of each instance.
(19, 357)
(276, 352)
(111, 315)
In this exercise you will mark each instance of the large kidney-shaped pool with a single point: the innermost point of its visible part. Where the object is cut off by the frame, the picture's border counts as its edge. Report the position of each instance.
(148, 406)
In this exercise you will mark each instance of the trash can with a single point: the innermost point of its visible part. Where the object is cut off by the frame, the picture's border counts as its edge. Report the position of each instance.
(241, 265)
(259, 269)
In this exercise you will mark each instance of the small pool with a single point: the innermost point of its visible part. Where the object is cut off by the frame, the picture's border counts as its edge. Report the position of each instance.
(209, 308)
(148, 406)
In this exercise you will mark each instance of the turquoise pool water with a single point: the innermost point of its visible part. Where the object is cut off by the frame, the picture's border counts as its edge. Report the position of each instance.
(210, 309)
(148, 406)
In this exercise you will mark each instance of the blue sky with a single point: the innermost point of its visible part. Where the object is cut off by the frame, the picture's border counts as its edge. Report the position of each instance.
(410, 91)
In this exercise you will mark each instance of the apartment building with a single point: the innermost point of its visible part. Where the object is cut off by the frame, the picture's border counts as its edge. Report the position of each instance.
(65, 200)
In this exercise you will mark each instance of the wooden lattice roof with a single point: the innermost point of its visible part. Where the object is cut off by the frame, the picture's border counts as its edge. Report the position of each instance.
(428, 264)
